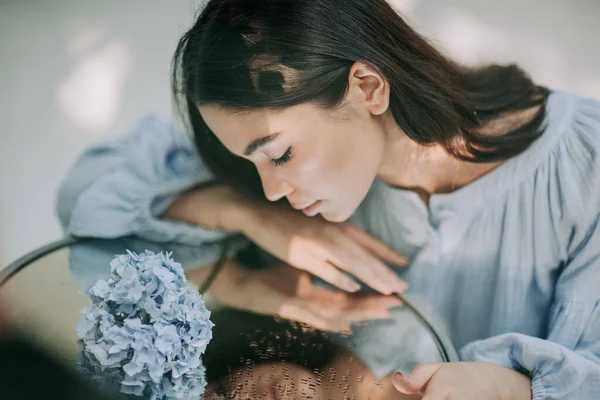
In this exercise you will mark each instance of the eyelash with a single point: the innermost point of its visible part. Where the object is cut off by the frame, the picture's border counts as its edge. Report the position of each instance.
(283, 159)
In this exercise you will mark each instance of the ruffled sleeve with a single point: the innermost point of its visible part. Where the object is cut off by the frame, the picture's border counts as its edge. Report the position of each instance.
(564, 366)
(122, 186)
(565, 363)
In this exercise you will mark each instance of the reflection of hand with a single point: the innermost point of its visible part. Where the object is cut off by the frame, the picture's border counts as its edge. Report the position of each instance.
(287, 292)
(464, 381)
(311, 244)
(324, 249)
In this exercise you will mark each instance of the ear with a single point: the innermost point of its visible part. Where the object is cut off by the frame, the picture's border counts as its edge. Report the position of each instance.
(368, 88)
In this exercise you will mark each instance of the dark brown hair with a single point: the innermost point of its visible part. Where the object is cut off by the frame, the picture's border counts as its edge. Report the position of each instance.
(242, 338)
(251, 54)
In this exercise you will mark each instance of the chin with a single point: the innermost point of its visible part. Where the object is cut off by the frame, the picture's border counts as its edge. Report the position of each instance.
(336, 217)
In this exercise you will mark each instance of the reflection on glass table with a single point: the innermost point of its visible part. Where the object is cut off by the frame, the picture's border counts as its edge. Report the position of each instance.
(251, 355)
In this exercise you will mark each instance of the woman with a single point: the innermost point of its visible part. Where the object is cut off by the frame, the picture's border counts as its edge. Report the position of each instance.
(486, 181)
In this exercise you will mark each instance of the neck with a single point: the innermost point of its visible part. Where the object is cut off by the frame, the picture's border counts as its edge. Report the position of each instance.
(428, 169)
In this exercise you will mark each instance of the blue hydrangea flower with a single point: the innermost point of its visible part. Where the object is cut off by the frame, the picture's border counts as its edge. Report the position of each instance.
(146, 330)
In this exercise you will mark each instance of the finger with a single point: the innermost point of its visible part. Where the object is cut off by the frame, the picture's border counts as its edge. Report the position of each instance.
(359, 262)
(353, 308)
(330, 274)
(297, 310)
(367, 315)
(336, 311)
(375, 245)
(304, 285)
(377, 301)
(391, 279)
(373, 310)
(350, 256)
(292, 311)
(417, 380)
(337, 326)
(331, 298)
(333, 307)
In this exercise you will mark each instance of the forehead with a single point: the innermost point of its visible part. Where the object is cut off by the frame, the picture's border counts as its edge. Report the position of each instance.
(236, 129)
(221, 120)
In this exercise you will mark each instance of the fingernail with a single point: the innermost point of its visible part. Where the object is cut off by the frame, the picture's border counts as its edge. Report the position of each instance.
(385, 289)
(398, 377)
(403, 260)
(352, 286)
(402, 286)
(398, 285)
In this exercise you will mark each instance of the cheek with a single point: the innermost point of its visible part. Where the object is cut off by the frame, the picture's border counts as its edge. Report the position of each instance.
(310, 169)
(338, 160)
(309, 386)
(354, 165)
(314, 167)
(350, 156)
(256, 380)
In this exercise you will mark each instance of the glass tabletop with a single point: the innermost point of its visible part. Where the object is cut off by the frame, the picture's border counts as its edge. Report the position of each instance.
(250, 355)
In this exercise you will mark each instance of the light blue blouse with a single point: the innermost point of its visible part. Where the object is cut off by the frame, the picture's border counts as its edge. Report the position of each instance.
(509, 263)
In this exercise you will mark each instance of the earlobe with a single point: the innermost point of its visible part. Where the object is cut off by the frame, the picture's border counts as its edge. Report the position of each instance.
(379, 97)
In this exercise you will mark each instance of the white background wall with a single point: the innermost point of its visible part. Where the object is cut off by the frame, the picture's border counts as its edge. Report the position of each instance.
(75, 71)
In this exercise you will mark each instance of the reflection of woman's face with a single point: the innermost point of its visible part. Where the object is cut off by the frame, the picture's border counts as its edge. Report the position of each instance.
(346, 378)
(273, 381)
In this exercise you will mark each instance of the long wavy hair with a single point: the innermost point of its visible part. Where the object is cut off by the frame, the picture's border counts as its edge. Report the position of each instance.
(273, 54)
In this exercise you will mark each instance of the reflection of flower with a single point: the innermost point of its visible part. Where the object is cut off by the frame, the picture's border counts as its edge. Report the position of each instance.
(146, 329)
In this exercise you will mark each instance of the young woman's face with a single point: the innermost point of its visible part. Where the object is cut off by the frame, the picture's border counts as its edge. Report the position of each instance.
(271, 381)
(322, 162)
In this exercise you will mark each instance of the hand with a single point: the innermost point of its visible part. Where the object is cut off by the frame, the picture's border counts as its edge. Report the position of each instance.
(324, 249)
(314, 245)
(286, 292)
(464, 381)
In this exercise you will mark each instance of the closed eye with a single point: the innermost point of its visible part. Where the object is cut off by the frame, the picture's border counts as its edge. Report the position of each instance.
(283, 159)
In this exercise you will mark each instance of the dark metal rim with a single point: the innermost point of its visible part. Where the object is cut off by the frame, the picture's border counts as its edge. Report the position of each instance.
(12, 269)
(442, 349)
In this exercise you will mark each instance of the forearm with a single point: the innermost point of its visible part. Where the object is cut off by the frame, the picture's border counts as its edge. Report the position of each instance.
(214, 207)
(239, 287)
(227, 281)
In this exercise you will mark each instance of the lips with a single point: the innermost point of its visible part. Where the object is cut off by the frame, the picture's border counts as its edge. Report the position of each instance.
(312, 209)
(302, 207)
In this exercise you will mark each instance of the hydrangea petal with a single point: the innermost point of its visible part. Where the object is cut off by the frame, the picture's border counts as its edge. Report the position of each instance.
(147, 327)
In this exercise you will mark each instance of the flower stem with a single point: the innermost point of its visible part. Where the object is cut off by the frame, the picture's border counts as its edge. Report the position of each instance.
(217, 268)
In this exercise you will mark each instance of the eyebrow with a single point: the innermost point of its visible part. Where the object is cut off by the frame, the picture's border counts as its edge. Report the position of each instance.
(258, 143)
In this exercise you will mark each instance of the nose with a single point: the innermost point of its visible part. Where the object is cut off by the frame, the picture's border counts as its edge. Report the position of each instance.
(274, 187)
